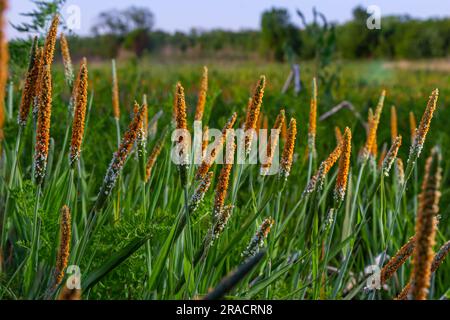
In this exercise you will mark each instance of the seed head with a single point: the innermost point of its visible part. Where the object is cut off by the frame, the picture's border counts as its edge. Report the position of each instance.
(43, 125)
(253, 112)
(209, 158)
(258, 239)
(394, 130)
(67, 61)
(119, 158)
(62, 257)
(115, 92)
(37, 86)
(80, 114)
(437, 260)
(318, 179)
(50, 41)
(426, 227)
(344, 166)
(223, 181)
(373, 127)
(284, 131)
(202, 95)
(205, 141)
(382, 156)
(222, 221)
(312, 119)
(288, 151)
(338, 134)
(273, 143)
(153, 157)
(424, 126)
(200, 192)
(29, 85)
(400, 171)
(4, 58)
(412, 125)
(391, 155)
(397, 260)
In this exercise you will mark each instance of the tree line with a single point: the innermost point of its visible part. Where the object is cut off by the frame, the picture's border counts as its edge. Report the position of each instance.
(281, 37)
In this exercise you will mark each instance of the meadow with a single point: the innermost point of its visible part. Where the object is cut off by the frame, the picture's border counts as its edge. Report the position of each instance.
(280, 236)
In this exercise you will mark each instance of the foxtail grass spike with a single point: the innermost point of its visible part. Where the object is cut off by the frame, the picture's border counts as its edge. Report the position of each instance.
(437, 260)
(200, 192)
(253, 112)
(153, 157)
(426, 227)
(284, 131)
(67, 60)
(397, 260)
(318, 179)
(4, 58)
(391, 155)
(412, 125)
(79, 114)
(141, 139)
(257, 241)
(222, 221)
(205, 141)
(115, 91)
(400, 171)
(182, 143)
(43, 126)
(145, 104)
(118, 160)
(382, 156)
(62, 258)
(288, 151)
(50, 41)
(344, 166)
(223, 181)
(37, 86)
(312, 119)
(211, 157)
(202, 95)
(424, 126)
(338, 134)
(374, 120)
(31, 79)
(394, 127)
(272, 144)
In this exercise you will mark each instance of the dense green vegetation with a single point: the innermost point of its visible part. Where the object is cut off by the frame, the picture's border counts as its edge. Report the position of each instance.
(150, 209)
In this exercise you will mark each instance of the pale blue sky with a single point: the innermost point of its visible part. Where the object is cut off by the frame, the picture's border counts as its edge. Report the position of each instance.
(172, 15)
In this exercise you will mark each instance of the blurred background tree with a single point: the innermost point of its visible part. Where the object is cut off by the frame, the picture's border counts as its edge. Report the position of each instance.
(130, 27)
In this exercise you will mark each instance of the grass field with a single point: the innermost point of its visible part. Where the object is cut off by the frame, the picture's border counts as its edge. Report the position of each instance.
(134, 248)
